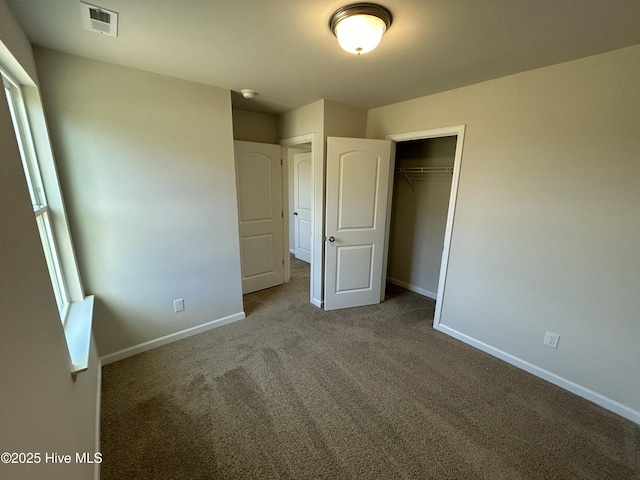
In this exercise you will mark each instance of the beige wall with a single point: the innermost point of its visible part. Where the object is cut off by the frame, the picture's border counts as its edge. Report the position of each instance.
(344, 121)
(254, 127)
(306, 120)
(547, 219)
(42, 409)
(146, 162)
(15, 48)
(303, 120)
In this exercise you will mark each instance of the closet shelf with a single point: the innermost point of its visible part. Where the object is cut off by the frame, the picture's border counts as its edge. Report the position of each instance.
(425, 169)
(406, 171)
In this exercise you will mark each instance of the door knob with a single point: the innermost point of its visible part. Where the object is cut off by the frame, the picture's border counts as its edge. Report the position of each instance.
(332, 239)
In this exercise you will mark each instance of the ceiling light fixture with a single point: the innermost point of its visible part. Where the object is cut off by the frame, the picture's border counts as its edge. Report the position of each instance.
(359, 26)
(247, 93)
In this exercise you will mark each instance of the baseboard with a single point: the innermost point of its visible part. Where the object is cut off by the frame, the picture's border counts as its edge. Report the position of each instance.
(96, 466)
(413, 288)
(158, 342)
(605, 402)
(316, 302)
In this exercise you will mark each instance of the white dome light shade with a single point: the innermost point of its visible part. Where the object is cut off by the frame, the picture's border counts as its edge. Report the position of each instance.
(360, 33)
(248, 93)
(360, 26)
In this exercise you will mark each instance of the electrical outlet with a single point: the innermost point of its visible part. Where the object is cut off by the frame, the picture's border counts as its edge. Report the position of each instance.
(178, 305)
(551, 339)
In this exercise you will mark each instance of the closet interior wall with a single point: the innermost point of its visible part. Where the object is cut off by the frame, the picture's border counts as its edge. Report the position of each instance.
(419, 213)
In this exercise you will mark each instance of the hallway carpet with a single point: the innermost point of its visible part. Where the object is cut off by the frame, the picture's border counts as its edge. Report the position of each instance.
(365, 393)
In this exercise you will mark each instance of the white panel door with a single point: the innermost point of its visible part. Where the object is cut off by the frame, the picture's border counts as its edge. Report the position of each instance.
(259, 183)
(302, 205)
(358, 175)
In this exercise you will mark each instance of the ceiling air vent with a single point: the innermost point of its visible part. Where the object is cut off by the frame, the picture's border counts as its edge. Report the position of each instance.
(99, 20)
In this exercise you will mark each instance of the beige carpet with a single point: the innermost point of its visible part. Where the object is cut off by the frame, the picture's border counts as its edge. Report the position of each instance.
(370, 393)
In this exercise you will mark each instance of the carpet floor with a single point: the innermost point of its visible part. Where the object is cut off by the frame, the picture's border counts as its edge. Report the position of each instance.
(294, 392)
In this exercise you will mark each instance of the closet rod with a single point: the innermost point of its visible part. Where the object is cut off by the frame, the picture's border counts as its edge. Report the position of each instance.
(413, 170)
(424, 169)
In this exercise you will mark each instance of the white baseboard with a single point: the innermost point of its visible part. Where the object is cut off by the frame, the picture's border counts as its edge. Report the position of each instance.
(413, 288)
(316, 302)
(158, 342)
(96, 467)
(605, 402)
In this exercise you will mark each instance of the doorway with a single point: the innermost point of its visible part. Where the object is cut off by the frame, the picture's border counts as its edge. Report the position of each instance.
(319, 213)
(423, 207)
(300, 205)
(421, 187)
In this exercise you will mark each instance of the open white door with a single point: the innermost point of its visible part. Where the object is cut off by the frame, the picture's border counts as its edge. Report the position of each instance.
(358, 176)
(303, 206)
(259, 183)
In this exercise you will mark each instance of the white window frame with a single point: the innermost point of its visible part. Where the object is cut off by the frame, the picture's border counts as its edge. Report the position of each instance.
(75, 309)
(37, 192)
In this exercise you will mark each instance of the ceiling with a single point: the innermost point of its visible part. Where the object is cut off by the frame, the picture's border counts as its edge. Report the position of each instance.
(285, 51)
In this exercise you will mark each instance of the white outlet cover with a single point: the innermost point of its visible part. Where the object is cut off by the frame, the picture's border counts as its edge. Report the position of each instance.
(178, 305)
(551, 339)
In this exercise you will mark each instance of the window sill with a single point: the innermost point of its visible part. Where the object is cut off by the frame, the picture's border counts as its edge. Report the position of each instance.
(77, 330)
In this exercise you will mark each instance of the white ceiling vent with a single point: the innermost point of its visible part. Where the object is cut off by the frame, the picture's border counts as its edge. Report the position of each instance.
(99, 20)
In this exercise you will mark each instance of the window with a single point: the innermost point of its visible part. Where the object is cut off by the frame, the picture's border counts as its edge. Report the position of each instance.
(36, 191)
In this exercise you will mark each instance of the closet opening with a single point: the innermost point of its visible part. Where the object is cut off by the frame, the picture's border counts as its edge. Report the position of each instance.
(427, 166)
(300, 210)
